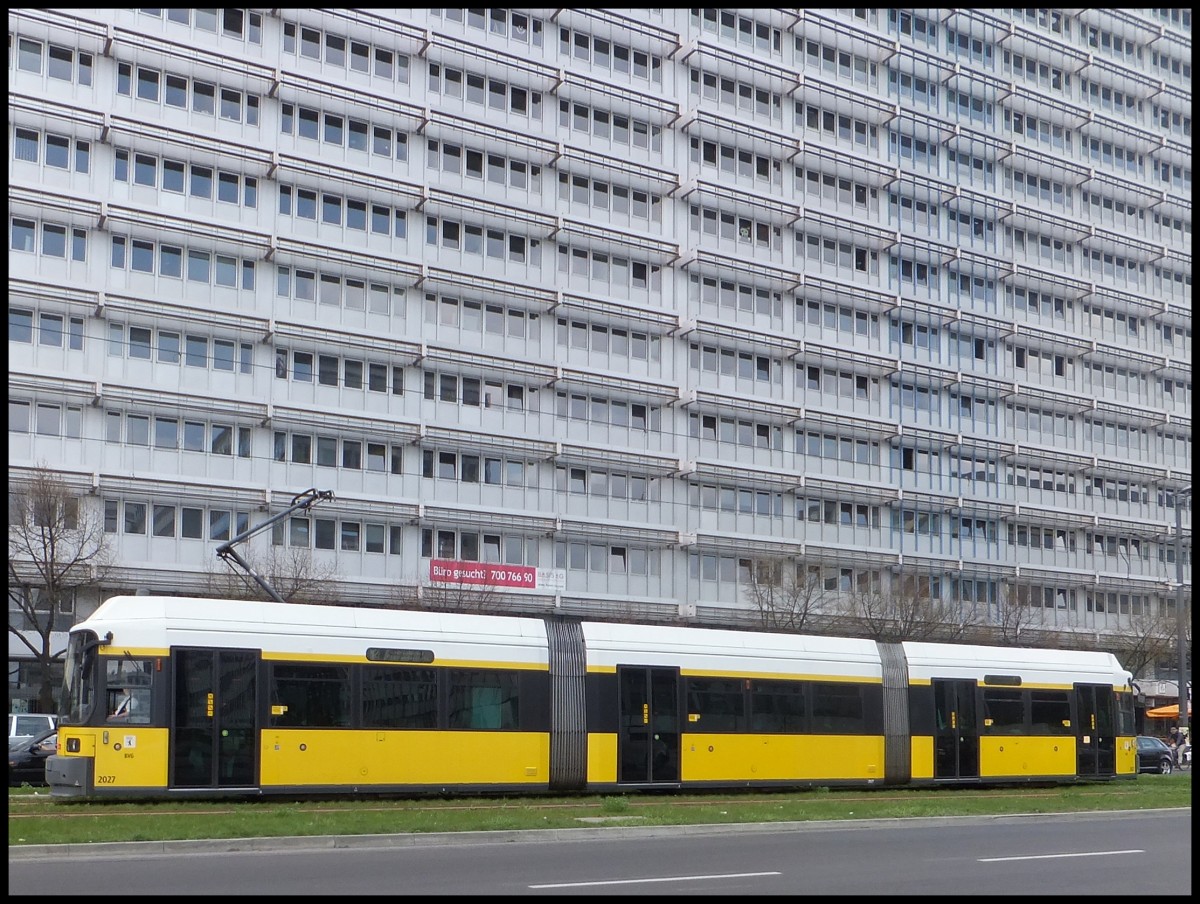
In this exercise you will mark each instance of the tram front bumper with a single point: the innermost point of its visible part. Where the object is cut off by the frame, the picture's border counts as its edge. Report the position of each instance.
(69, 776)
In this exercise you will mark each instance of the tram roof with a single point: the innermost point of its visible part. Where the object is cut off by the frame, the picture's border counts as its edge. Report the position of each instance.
(157, 623)
(1034, 665)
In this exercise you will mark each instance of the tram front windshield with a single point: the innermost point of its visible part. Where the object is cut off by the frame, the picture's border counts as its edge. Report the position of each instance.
(79, 678)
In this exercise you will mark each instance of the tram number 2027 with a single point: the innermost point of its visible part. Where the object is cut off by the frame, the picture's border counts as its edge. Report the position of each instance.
(106, 779)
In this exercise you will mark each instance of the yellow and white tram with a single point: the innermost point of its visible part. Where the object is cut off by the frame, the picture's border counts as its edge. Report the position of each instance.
(173, 697)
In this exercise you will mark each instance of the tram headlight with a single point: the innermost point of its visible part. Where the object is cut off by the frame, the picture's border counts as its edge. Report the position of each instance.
(72, 745)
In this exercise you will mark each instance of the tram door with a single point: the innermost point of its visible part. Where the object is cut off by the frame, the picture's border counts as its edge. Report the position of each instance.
(214, 718)
(956, 732)
(648, 742)
(1095, 730)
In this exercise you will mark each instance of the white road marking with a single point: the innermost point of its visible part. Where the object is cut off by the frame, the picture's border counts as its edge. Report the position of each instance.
(664, 879)
(1057, 856)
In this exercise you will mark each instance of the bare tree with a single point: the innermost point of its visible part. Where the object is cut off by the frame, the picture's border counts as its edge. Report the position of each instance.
(1149, 639)
(448, 596)
(784, 595)
(293, 572)
(1014, 617)
(906, 608)
(56, 546)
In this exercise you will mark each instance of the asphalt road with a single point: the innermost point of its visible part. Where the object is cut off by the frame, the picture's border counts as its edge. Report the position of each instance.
(1140, 852)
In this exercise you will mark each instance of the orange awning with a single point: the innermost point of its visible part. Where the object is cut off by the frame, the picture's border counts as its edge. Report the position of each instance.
(1170, 711)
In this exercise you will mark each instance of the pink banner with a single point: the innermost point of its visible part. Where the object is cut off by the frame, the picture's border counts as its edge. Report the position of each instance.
(447, 571)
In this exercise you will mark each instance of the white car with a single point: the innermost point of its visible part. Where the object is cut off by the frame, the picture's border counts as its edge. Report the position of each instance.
(22, 726)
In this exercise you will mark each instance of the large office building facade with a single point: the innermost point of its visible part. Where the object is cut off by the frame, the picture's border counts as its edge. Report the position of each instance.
(623, 301)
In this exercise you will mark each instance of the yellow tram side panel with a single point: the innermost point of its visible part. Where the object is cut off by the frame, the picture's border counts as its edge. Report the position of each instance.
(1002, 756)
(1127, 756)
(781, 757)
(297, 757)
(921, 757)
(757, 757)
(1023, 756)
(601, 758)
(128, 756)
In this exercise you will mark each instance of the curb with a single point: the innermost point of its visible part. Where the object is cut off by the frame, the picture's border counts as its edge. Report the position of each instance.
(299, 843)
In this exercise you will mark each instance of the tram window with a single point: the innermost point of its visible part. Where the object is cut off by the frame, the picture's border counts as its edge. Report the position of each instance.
(1050, 712)
(483, 700)
(837, 709)
(777, 706)
(314, 696)
(127, 685)
(399, 697)
(1127, 723)
(717, 704)
(1003, 712)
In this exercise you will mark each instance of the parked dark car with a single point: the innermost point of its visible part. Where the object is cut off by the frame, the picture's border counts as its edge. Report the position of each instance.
(1155, 755)
(27, 759)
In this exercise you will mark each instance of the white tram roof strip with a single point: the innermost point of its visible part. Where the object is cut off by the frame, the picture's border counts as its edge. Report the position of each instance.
(722, 650)
(155, 622)
(1035, 666)
(159, 622)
